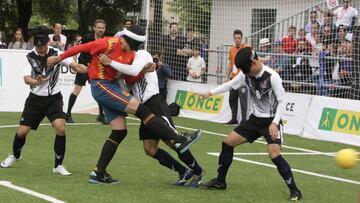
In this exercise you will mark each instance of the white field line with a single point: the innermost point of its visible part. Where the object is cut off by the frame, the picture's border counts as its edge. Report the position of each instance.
(30, 192)
(293, 169)
(68, 124)
(285, 153)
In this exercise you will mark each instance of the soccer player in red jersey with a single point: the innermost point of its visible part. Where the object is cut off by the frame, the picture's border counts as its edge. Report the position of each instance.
(116, 101)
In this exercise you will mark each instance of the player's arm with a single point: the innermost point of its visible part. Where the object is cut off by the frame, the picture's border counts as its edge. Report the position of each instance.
(235, 83)
(39, 80)
(87, 47)
(140, 60)
(279, 91)
(79, 68)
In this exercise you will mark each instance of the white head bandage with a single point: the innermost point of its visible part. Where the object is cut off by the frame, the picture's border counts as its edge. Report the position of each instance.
(134, 36)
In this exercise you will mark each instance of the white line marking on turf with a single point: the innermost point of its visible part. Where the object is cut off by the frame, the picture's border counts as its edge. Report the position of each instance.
(30, 192)
(285, 153)
(68, 124)
(293, 169)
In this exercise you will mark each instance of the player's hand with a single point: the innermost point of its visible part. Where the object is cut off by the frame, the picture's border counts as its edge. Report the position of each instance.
(105, 60)
(274, 131)
(149, 67)
(40, 80)
(53, 60)
(203, 95)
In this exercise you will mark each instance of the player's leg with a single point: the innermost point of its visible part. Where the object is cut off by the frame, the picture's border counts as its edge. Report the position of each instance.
(31, 117)
(56, 116)
(18, 143)
(160, 127)
(101, 117)
(59, 146)
(151, 148)
(118, 133)
(245, 132)
(80, 81)
(233, 102)
(110, 95)
(274, 151)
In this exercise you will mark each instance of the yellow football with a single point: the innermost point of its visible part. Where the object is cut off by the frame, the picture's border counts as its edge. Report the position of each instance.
(346, 158)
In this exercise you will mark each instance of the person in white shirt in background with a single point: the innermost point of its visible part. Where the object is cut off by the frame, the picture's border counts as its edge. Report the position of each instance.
(346, 15)
(57, 28)
(196, 65)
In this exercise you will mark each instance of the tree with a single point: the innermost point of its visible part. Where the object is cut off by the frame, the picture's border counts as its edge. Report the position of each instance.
(113, 12)
(8, 14)
(195, 14)
(24, 11)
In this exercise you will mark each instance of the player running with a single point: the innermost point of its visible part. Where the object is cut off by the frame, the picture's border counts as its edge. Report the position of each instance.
(267, 94)
(45, 99)
(116, 101)
(145, 88)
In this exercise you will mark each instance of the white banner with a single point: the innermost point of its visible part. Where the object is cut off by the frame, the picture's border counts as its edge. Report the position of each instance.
(215, 108)
(13, 90)
(294, 114)
(333, 119)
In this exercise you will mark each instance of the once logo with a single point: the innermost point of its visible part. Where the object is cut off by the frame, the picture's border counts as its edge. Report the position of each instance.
(343, 121)
(187, 101)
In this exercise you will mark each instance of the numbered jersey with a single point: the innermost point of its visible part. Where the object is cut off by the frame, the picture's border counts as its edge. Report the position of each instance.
(37, 66)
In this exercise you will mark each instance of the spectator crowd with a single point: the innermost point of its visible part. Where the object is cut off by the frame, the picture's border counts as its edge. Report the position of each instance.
(296, 56)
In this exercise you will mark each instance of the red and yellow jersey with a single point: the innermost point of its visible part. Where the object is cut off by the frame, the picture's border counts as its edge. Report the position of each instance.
(111, 46)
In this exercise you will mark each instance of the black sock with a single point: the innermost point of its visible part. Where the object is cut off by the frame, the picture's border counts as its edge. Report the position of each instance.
(190, 161)
(59, 149)
(72, 100)
(168, 161)
(285, 171)
(225, 159)
(101, 113)
(109, 149)
(155, 123)
(17, 145)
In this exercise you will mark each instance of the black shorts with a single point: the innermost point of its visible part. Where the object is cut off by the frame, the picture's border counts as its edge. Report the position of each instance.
(37, 107)
(255, 127)
(159, 107)
(81, 78)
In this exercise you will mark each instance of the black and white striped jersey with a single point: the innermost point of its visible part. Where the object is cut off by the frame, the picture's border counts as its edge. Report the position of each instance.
(37, 65)
(266, 92)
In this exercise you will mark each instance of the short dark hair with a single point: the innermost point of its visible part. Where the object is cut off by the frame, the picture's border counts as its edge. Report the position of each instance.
(173, 23)
(291, 27)
(56, 23)
(99, 21)
(238, 32)
(127, 20)
(244, 59)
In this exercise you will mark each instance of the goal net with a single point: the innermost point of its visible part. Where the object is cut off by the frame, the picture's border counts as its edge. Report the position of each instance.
(313, 45)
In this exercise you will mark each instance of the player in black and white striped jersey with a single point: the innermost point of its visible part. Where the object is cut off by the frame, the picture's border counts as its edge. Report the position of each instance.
(45, 99)
(267, 97)
(145, 87)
